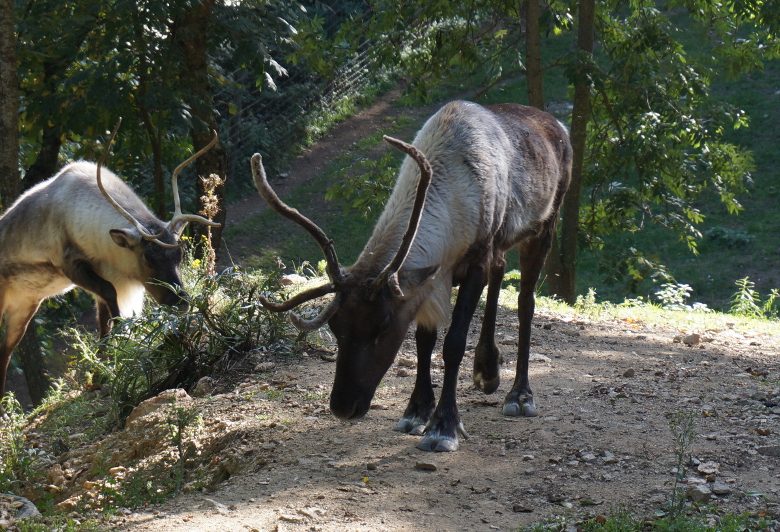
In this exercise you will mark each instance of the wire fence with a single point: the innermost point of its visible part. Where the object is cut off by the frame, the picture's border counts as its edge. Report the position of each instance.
(277, 123)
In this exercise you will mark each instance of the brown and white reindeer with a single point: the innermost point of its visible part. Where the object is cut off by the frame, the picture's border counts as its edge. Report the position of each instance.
(491, 178)
(85, 227)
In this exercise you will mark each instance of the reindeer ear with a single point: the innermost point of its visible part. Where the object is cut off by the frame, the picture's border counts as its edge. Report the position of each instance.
(416, 277)
(125, 238)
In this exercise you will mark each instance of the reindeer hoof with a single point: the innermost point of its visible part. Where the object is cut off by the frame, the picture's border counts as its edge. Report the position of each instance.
(437, 440)
(410, 425)
(438, 443)
(523, 406)
(487, 385)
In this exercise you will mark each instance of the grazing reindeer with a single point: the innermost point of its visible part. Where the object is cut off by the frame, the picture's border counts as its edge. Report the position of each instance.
(85, 227)
(492, 178)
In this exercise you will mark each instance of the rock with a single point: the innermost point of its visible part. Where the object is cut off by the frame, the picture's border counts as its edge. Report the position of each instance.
(22, 509)
(291, 278)
(118, 471)
(769, 450)
(699, 493)
(536, 357)
(587, 457)
(763, 432)
(708, 468)
(425, 466)
(609, 458)
(204, 387)
(265, 366)
(289, 518)
(407, 362)
(371, 466)
(720, 488)
(403, 372)
(168, 397)
(328, 357)
(629, 373)
(68, 504)
(522, 508)
(691, 339)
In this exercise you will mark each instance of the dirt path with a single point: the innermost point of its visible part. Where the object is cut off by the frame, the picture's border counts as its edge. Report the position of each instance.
(602, 439)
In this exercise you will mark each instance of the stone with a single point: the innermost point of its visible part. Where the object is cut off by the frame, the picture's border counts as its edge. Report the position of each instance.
(118, 471)
(204, 387)
(708, 468)
(291, 279)
(407, 362)
(609, 458)
(629, 373)
(769, 450)
(691, 339)
(265, 366)
(425, 466)
(587, 457)
(699, 493)
(168, 397)
(536, 357)
(721, 488)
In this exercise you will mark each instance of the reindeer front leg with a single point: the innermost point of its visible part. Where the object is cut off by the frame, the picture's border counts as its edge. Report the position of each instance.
(445, 425)
(422, 401)
(17, 317)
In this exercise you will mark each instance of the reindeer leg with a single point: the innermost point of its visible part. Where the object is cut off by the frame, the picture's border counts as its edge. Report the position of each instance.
(103, 317)
(486, 356)
(445, 425)
(520, 399)
(422, 401)
(17, 317)
(82, 274)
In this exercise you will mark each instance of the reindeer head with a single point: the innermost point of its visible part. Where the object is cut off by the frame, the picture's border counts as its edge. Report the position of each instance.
(155, 244)
(370, 313)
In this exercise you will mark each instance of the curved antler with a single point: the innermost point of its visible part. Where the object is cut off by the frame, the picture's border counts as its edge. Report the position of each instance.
(390, 273)
(334, 269)
(297, 299)
(146, 235)
(178, 217)
(318, 321)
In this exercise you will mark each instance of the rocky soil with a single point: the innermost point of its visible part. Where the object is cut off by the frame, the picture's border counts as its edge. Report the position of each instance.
(269, 455)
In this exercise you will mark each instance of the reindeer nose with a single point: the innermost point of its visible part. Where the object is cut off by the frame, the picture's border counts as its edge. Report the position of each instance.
(348, 408)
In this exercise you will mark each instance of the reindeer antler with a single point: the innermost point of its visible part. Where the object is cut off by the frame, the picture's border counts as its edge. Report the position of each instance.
(389, 274)
(178, 217)
(334, 269)
(146, 235)
(335, 272)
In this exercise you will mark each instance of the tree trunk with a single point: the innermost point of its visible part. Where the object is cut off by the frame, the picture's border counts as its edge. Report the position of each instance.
(533, 55)
(9, 107)
(47, 161)
(579, 125)
(191, 36)
(28, 350)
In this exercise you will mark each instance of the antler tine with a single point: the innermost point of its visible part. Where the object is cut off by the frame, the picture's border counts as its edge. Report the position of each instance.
(146, 235)
(297, 299)
(261, 182)
(178, 217)
(390, 273)
(318, 321)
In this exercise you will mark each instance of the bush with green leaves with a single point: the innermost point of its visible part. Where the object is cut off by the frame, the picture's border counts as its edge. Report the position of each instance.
(746, 301)
(15, 460)
(164, 349)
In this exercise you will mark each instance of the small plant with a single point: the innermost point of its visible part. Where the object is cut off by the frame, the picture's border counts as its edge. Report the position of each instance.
(683, 427)
(587, 304)
(15, 462)
(181, 422)
(673, 296)
(746, 301)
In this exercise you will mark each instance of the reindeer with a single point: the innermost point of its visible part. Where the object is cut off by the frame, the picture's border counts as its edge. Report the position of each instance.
(85, 227)
(492, 178)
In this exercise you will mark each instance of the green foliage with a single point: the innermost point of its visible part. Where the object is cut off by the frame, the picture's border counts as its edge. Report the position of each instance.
(657, 138)
(683, 428)
(15, 461)
(746, 301)
(165, 349)
(182, 421)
